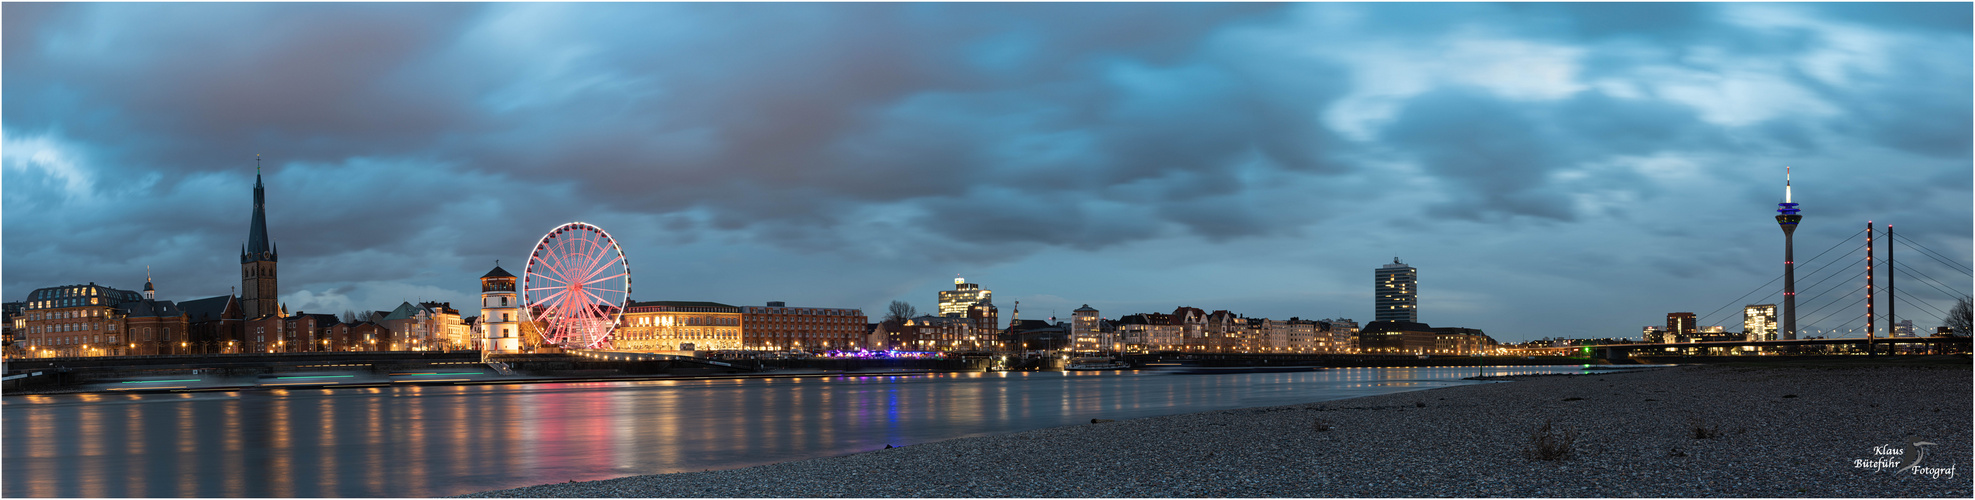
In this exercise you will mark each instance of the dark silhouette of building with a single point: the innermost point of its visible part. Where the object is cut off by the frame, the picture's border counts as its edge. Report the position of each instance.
(214, 324)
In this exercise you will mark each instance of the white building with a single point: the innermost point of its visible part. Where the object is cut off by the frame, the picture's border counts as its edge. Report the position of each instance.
(500, 312)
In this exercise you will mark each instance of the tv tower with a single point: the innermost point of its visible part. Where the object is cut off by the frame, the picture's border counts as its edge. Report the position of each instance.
(1787, 217)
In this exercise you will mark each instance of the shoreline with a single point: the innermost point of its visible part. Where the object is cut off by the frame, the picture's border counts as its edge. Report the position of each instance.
(376, 382)
(1770, 431)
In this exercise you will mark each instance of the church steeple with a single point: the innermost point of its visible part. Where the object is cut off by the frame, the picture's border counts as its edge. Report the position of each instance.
(258, 248)
(259, 293)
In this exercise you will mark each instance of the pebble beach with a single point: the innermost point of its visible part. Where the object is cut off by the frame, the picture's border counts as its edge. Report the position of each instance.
(1689, 431)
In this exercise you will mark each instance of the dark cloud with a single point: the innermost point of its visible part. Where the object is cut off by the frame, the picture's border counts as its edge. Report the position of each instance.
(407, 139)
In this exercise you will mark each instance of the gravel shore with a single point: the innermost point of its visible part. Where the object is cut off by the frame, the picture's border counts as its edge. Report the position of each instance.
(1771, 432)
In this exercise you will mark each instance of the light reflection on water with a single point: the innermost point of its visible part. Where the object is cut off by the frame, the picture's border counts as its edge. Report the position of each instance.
(447, 440)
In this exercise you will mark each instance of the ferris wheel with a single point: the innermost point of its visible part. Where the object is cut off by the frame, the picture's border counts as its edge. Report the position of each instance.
(577, 283)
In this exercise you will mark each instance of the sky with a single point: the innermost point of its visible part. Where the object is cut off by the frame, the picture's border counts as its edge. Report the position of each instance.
(1552, 170)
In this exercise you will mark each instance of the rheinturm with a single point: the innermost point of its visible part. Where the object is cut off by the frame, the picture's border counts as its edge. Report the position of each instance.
(258, 293)
(1786, 216)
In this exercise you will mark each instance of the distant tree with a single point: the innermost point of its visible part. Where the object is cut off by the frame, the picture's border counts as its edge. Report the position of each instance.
(900, 311)
(1959, 318)
(349, 316)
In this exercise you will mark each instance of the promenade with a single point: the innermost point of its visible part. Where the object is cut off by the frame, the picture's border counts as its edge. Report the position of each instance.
(1693, 431)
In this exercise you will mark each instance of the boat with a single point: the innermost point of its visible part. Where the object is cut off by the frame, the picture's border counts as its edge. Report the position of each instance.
(1095, 364)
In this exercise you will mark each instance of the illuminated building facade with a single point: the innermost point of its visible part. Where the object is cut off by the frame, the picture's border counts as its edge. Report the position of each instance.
(672, 325)
(76, 320)
(1759, 322)
(309, 332)
(1149, 332)
(1085, 335)
(15, 320)
(1343, 334)
(1396, 292)
(954, 303)
(1411, 338)
(776, 326)
(500, 312)
(1679, 327)
(936, 333)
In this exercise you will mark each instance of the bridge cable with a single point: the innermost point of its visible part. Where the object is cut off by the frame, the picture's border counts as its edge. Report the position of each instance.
(1860, 300)
(1923, 303)
(1931, 254)
(1827, 277)
(1930, 281)
(1937, 317)
(1779, 276)
(1819, 295)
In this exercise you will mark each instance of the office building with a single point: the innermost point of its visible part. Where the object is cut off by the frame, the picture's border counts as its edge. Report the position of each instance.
(954, 303)
(1396, 292)
(1679, 327)
(1759, 322)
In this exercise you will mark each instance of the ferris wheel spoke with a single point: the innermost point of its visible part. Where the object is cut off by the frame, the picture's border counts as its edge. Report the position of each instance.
(550, 278)
(605, 278)
(598, 269)
(552, 297)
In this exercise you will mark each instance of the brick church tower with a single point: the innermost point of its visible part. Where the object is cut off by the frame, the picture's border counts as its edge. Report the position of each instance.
(258, 294)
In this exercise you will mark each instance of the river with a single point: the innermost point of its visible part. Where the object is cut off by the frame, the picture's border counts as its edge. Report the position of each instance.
(423, 441)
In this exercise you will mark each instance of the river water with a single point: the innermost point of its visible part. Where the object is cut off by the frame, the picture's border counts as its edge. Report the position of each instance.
(423, 441)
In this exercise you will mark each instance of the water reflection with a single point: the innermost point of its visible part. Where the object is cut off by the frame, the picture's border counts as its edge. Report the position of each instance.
(447, 440)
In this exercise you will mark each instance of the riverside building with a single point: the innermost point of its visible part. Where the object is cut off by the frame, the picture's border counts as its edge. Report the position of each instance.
(669, 325)
(1396, 292)
(1759, 322)
(954, 303)
(776, 326)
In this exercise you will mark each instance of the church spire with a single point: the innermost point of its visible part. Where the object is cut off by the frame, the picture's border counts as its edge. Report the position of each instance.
(257, 242)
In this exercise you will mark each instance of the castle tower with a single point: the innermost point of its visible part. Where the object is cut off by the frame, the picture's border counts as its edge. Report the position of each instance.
(149, 293)
(1788, 218)
(500, 312)
(258, 294)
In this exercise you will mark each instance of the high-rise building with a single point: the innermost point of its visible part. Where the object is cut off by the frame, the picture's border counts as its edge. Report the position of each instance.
(1759, 322)
(954, 303)
(1396, 292)
(1679, 326)
(258, 294)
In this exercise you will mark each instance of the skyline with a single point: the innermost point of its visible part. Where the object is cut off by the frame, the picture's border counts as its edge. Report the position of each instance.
(1262, 159)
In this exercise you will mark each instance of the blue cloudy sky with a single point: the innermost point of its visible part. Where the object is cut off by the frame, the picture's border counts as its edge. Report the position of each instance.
(1552, 169)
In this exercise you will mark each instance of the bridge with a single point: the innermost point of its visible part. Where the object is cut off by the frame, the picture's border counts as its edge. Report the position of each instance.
(1620, 351)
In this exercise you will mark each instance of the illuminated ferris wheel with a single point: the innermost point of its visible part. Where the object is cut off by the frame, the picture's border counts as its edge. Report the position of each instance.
(577, 284)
